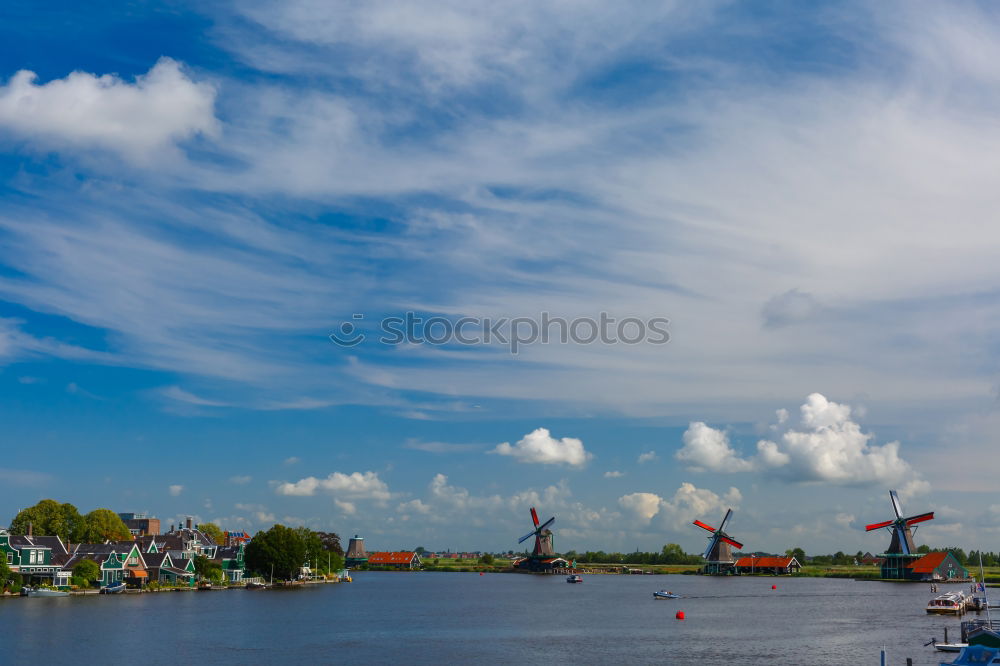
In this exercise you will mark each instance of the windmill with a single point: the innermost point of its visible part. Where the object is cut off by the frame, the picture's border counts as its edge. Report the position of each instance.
(719, 554)
(902, 535)
(543, 536)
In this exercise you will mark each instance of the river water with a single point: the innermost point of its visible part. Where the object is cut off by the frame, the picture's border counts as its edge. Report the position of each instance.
(461, 618)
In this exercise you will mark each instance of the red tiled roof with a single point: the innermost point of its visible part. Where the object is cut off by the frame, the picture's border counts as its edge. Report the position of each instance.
(765, 562)
(391, 558)
(928, 563)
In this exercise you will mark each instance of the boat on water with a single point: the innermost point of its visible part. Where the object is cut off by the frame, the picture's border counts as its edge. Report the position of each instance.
(949, 603)
(114, 588)
(976, 654)
(663, 594)
(255, 585)
(42, 592)
(204, 585)
(950, 647)
(574, 578)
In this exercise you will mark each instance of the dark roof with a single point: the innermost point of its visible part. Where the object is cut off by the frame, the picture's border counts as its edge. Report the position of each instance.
(22, 541)
(227, 552)
(98, 548)
(154, 559)
(53, 542)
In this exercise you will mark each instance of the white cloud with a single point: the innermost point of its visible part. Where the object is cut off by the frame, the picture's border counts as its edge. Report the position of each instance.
(831, 448)
(687, 504)
(540, 447)
(346, 508)
(613, 474)
(263, 517)
(643, 506)
(828, 446)
(706, 448)
(356, 485)
(291, 461)
(648, 456)
(240, 480)
(176, 489)
(438, 447)
(136, 119)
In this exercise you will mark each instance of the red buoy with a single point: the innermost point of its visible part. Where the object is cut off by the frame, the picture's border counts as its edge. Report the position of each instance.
(680, 615)
(774, 587)
(480, 573)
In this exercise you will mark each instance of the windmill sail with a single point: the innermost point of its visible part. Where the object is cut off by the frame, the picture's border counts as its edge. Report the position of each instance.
(902, 535)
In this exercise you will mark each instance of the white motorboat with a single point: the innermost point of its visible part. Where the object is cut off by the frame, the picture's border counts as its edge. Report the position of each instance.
(43, 592)
(976, 654)
(574, 578)
(663, 594)
(949, 603)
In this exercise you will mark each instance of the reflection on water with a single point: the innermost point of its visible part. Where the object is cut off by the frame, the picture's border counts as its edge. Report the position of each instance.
(411, 618)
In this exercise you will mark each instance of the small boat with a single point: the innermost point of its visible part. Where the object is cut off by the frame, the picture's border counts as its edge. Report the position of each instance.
(204, 585)
(43, 592)
(950, 647)
(950, 603)
(663, 594)
(114, 588)
(255, 585)
(575, 578)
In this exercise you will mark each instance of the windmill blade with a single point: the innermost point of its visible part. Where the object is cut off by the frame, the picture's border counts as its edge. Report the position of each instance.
(711, 544)
(729, 514)
(878, 526)
(703, 526)
(901, 536)
(732, 542)
(921, 518)
(547, 523)
(895, 504)
(534, 516)
(526, 536)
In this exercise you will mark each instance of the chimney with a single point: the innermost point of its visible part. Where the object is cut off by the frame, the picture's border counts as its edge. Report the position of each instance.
(29, 530)
(188, 522)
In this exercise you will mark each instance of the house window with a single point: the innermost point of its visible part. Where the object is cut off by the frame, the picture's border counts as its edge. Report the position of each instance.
(133, 561)
(31, 556)
(10, 558)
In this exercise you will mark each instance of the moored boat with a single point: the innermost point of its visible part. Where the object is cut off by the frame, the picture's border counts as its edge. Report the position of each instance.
(114, 588)
(43, 592)
(950, 603)
(663, 594)
(574, 578)
(255, 585)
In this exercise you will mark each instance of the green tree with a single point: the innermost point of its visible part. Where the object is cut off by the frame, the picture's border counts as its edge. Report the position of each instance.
(486, 559)
(85, 572)
(281, 547)
(672, 553)
(923, 548)
(208, 569)
(51, 518)
(214, 531)
(102, 525)
(797, 553)
(5, 573)
(420, 550)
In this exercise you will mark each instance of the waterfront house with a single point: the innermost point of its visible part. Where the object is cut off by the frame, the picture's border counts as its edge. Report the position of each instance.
(163, 570)
(761, 564)
(940, 566)
(230, 558)
(395, 560)
(36, 558)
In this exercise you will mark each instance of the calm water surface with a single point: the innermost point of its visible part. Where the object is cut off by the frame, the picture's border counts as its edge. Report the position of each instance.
(424, 618)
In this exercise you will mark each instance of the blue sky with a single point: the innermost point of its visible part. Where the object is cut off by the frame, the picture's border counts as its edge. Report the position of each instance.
(193, 198)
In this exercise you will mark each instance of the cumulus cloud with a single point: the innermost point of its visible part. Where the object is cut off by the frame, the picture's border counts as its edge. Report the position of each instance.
(346, 508)
(540, 447)
(687, 503)
(643, 506)
(175, 489)
(648, 456)
(830, 447)
(827, 446)
(137, 119)
(706, 448)
(356, 485)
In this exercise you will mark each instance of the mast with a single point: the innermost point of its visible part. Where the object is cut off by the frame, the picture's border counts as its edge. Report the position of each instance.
(986, 600)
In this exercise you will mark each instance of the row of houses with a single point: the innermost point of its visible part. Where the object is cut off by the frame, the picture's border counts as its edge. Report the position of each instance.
(163, 558)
